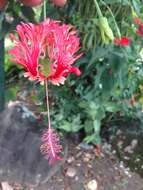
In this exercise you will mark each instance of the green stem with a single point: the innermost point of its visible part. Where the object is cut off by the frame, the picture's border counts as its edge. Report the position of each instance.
(98, 9)
(44, 9)
(46, 82)
(2, 78)
(47, 103)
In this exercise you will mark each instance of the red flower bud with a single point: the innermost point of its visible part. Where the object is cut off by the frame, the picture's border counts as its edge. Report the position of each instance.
(59, 3)
(98, 150)
(132, 100)
(3, 3)
(110, 71)
(137, 20)
(124, 41)
(139, 31)
(31, 3)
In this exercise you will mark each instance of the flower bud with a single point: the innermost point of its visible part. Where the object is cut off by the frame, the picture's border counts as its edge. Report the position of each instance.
(105, 29)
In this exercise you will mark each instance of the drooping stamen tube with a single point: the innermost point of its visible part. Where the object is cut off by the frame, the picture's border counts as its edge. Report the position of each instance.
(51, 147)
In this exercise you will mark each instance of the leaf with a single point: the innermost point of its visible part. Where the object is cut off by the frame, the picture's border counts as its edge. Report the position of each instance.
(94, 138)
(97, 126)
(88, 127)
(112, 107)
(11, 93)
(73, 126)
(28, 13)
(136, 5)
(83, 104)
(90, 138)
(66, 126)
(107, 82)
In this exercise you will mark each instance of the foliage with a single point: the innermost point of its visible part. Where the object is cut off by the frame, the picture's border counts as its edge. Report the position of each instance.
(111, 81)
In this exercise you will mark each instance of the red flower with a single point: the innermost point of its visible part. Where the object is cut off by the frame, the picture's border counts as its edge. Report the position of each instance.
(132, 101)
(3, 4)
(137, 20)
(46, 51)
(139, 31)
(124, 41)
(59, 3)
(31, 3)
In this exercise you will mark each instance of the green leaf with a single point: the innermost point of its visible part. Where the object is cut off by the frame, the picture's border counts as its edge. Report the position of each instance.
(97, 126)
(90, 138)
(88, 127)
(94, 138)
(112, 107)
(28, 13)
(73, 126)
(136, 4)
(83, 104)
(66, 126)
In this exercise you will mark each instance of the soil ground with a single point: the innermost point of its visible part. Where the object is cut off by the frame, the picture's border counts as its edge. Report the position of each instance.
(83, 166)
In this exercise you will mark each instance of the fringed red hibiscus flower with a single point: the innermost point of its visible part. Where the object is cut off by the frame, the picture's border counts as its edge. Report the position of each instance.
(124, 41)
(47, 50)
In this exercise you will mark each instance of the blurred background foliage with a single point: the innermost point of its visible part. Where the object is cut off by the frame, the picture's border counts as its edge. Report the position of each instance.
(111, 84)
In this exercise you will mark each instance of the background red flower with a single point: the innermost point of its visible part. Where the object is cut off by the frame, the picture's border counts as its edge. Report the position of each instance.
(124, 41)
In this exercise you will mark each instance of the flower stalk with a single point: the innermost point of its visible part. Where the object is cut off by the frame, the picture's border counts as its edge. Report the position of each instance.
(98, 9)
(46, 83)
(50, 147)
(47, 103)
